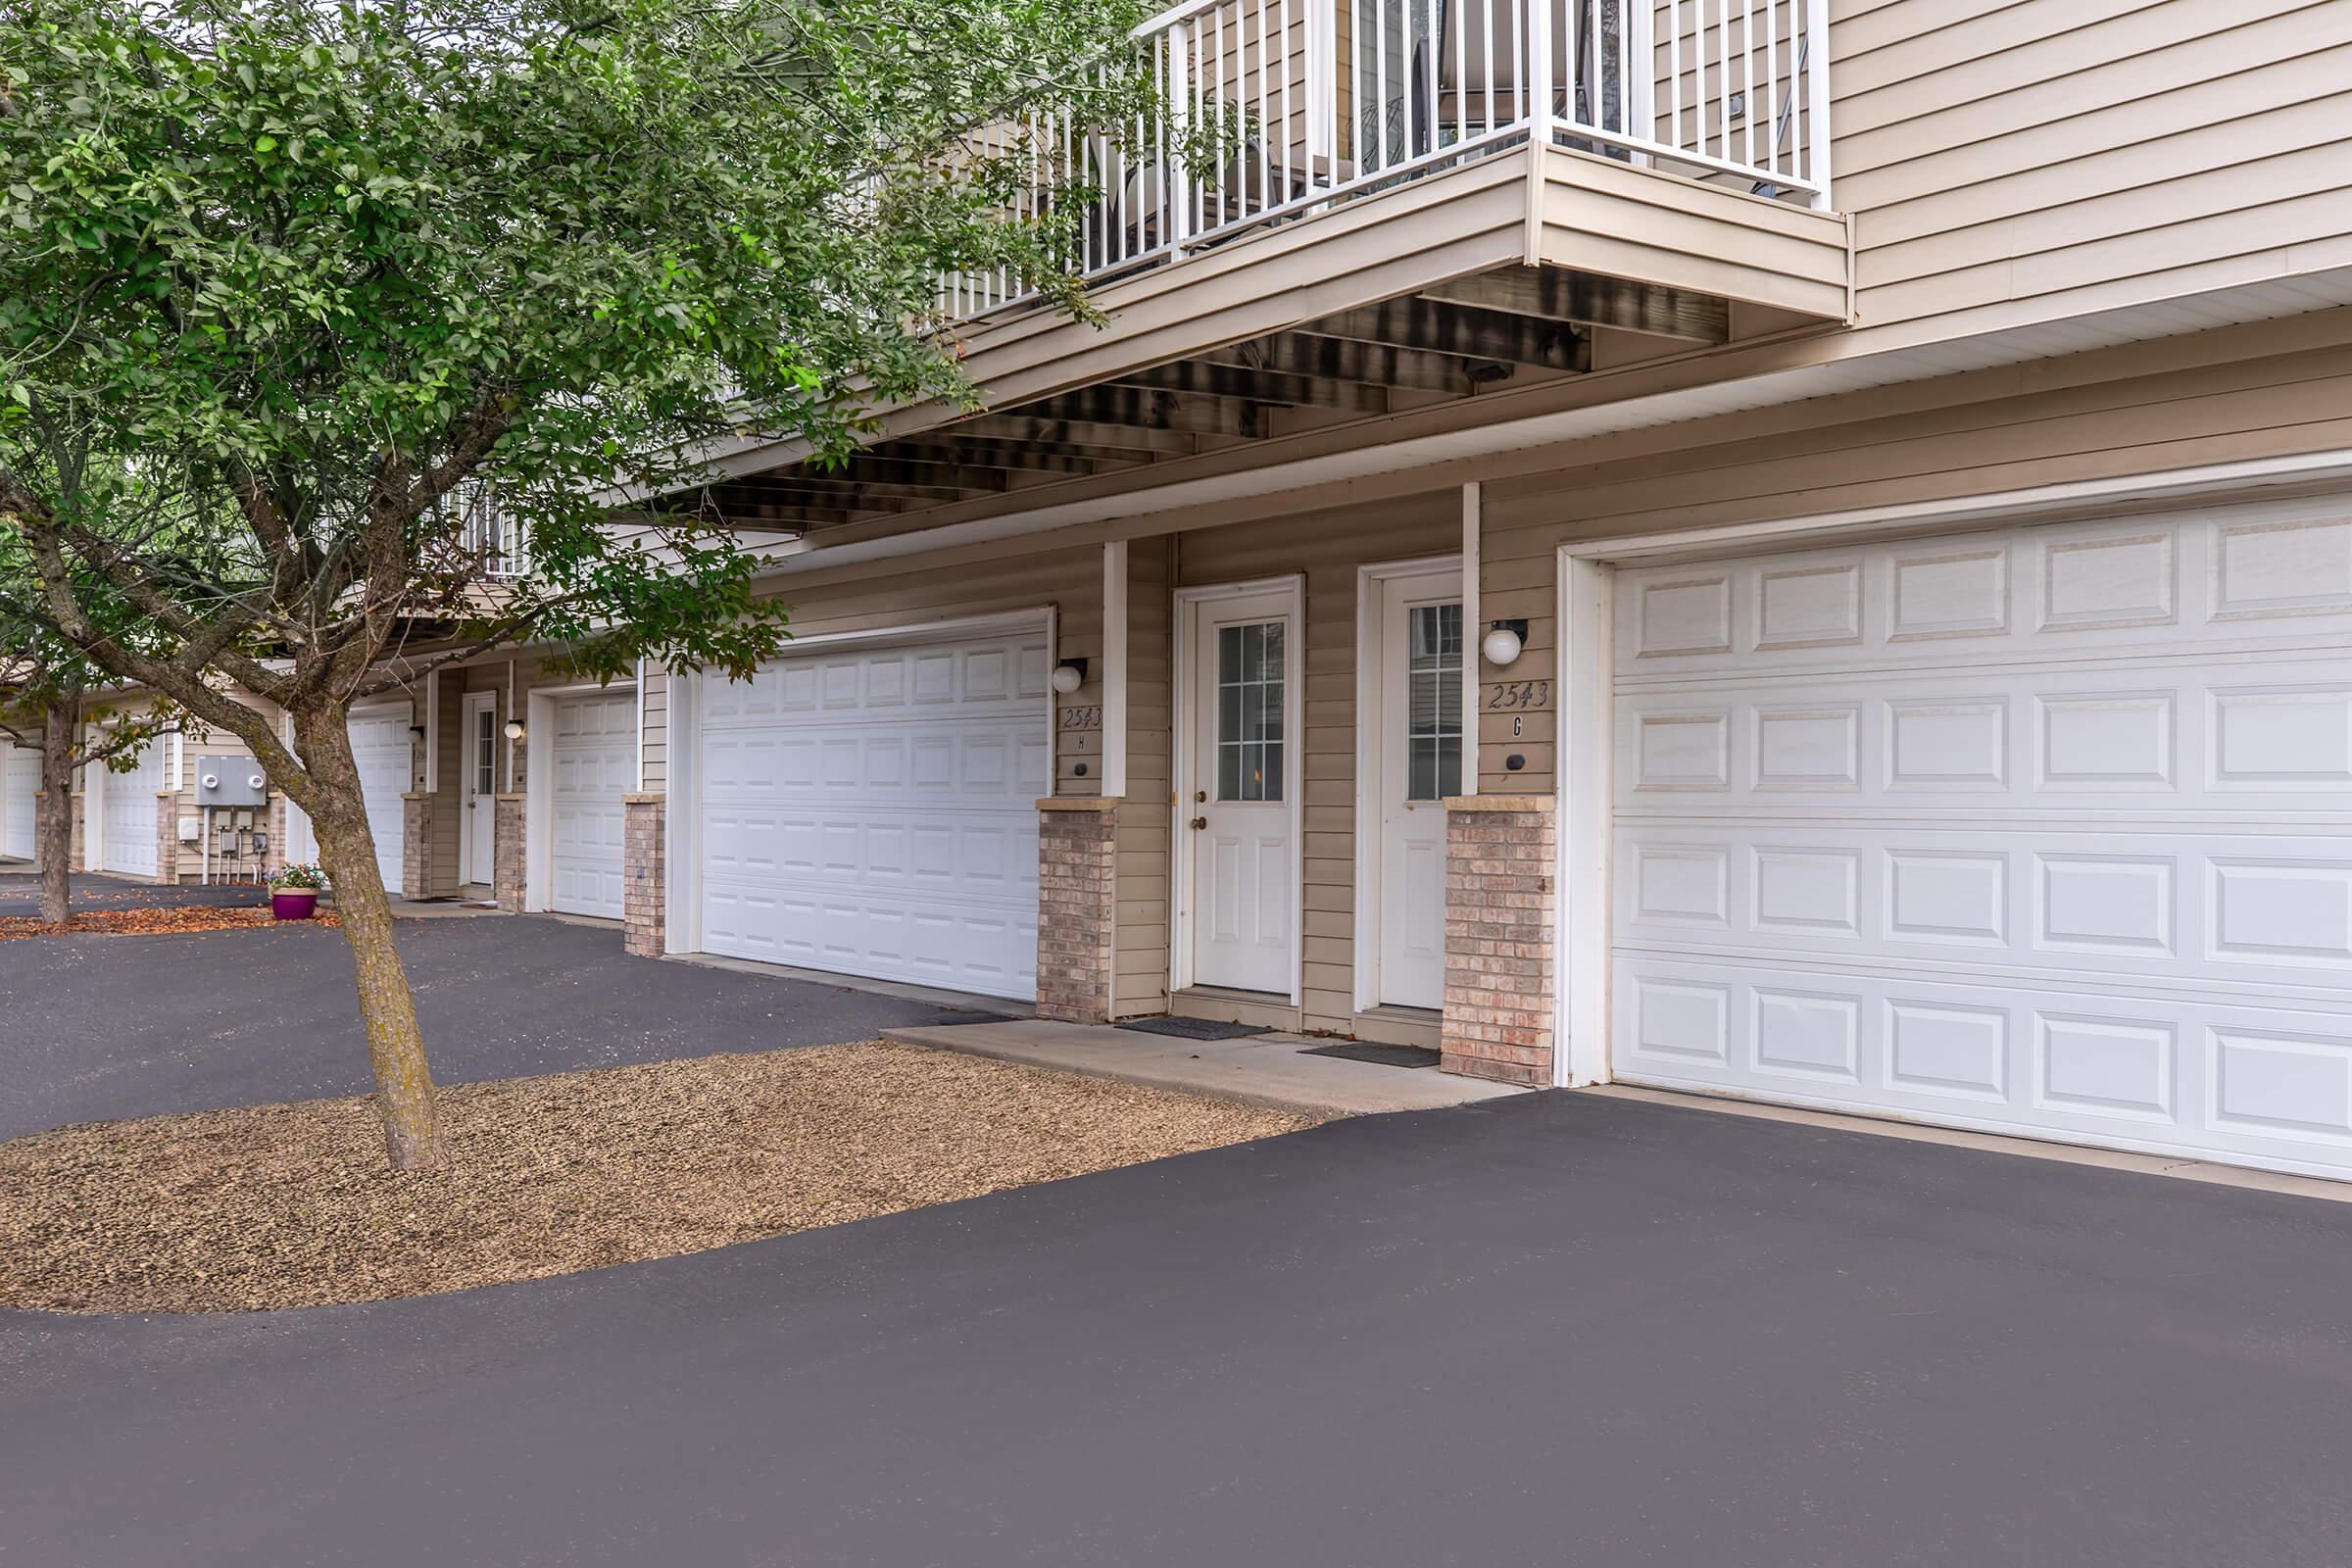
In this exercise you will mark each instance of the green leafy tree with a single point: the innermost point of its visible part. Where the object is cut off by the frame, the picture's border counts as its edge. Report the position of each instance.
(308, 311)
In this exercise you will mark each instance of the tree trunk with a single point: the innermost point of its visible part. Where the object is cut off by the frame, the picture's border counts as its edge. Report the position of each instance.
(53, 819)
(404, 1083)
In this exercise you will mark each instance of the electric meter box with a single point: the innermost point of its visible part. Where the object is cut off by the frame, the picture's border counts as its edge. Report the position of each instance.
(230, 781)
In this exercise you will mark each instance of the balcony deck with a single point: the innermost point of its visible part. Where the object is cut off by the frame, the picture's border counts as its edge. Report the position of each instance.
(1494, 227)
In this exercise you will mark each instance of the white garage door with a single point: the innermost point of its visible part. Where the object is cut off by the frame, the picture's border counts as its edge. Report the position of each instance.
(380, 746)
(2040, 831)
(20, 779)
(594, 766)
(127, 802)
(873, 811)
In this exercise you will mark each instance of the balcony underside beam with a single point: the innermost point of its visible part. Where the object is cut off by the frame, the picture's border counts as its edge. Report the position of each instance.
(1339, 358)
(1550, 293)
(1464, 331)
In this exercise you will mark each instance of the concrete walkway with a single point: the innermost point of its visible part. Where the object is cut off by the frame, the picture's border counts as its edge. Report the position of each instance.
(1261, 1069)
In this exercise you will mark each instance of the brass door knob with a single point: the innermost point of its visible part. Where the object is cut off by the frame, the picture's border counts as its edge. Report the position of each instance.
(1200, 822)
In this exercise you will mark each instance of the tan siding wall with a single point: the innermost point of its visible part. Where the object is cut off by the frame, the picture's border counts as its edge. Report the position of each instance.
(1140, 923)
(1992, 152)
(1327, 548)
(1853, 453)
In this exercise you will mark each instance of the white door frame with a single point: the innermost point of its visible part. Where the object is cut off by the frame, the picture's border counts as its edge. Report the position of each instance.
(468, 759)
(1585, 668)
(1293, 759)
(539, 785)
(682, 818)
(1371, 740)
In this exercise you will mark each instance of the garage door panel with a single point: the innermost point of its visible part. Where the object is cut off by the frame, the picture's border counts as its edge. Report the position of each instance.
(2272, 1084)
(2264, 910)
(21, 780)
(999, 677)
(2161, 731)
(2038, 830)
(2272, 574)
(592, 764)
(873, 811)
(967, 763)
(910, 937)
(128, 807)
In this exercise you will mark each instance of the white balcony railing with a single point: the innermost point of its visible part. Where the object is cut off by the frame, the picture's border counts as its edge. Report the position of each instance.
(1311, 102)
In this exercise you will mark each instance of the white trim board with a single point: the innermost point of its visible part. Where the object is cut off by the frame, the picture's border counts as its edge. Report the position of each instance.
(1294, 754)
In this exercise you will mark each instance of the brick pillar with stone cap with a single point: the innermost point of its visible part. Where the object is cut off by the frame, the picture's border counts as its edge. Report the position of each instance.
(643, 868)
(1077, 882)
(416, 844)
(506, 852)
(1501, 931)
(166, 837)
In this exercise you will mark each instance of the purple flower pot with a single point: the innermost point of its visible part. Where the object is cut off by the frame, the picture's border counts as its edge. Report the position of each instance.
(292, 903)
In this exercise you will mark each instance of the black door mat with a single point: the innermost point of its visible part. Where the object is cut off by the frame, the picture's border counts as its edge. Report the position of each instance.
(1384, 1055)
(1193, 1028)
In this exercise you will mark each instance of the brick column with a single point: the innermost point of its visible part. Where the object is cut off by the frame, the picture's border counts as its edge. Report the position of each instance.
(643, 867)
(506, 852)
(416, 844)
(166, 838)
(1077, 840)
(1501, 949)
(274, 859)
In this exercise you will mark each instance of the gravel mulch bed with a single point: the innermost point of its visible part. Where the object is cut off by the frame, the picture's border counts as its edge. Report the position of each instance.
(150, 922)
(270, 1206)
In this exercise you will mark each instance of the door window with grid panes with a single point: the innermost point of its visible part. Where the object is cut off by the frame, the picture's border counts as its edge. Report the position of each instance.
(1249, 712)
(485, 750)
(1433, 686)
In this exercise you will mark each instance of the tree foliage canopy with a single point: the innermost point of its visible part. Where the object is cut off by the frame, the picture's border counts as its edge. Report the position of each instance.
(302, 287)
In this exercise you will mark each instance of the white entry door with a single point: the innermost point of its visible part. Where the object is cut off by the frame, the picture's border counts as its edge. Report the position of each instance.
(128, 828)
(21, 780)
(478, 799)
(2045, 830)
(1419, 728)
(1240, 810)
(873, 810)
(380, 746)
(593, 753)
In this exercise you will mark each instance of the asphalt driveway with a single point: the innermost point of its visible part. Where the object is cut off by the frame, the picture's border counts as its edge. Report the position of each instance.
(98, 1027)
(1554, 1329)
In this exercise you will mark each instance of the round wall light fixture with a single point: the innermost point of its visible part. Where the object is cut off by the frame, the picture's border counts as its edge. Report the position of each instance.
(1503, 643)
(1070, 675)
(515, 730)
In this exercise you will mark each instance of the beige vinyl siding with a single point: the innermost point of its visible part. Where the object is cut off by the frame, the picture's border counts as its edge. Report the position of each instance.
(1854, 453)
(1997, 153)
(653, 731)
(1140, 919)
(1327, 548)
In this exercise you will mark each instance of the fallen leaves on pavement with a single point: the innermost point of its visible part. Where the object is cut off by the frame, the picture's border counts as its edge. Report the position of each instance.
(150, 922)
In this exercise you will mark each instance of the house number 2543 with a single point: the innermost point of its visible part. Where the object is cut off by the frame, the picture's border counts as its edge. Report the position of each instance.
(1518, 696)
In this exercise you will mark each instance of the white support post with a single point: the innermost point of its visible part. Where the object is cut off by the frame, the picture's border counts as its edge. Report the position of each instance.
(432, 732)
(1115, 669)
(1539, 72)
(1473, 632)
(1817, 100)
